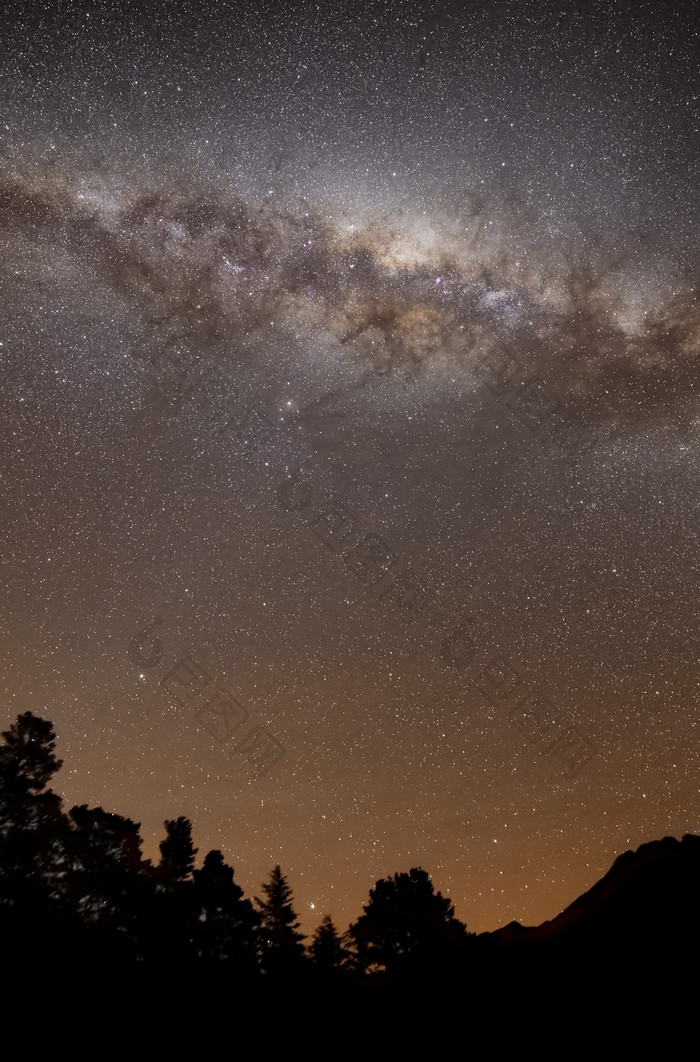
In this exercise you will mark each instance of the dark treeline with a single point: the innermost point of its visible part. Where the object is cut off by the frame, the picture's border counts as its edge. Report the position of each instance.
(77, 898)
(77, 880)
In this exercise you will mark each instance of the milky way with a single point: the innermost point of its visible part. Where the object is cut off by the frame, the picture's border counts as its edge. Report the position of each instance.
(351, 355)
(209, 268)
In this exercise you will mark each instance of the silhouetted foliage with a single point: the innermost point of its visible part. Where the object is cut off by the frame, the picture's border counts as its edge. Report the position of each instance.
(33, 834)
(109, 882)
(281, 943)
(75, 888)
(177, 851)
(170, 921)
(27, 757)
(326, 950)
(407, 925)
(227, 922)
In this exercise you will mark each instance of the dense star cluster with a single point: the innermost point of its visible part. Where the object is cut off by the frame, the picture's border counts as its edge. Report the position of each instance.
(351, 392)
(207, 269)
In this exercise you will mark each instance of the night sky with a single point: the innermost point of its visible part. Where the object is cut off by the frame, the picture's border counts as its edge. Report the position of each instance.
(350, 432)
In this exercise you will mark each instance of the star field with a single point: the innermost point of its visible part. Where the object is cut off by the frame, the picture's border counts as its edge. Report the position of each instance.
(350, 433)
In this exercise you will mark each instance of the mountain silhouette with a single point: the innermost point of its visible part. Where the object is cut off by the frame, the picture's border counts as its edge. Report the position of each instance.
(623, 957)
(648, 899)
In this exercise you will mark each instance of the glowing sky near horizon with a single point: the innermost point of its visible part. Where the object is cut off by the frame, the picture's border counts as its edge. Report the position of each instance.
(359, 344)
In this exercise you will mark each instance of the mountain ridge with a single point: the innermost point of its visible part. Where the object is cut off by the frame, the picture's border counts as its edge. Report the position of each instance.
(654, 889)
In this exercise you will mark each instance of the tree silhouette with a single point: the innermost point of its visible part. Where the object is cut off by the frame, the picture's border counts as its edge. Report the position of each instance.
(407, 925)
(109, 882)
(326, 950)
(27, 759)
(177, 851)
(226, 921)
(281, 943)
(78, 884)
(34, 851)
(170, 926)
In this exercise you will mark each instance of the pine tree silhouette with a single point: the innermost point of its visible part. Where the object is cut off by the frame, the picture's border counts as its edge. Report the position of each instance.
(326, 950)
(34, 851)
(28, 758)
(171, 925)
(177, 851)
(280, 942)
